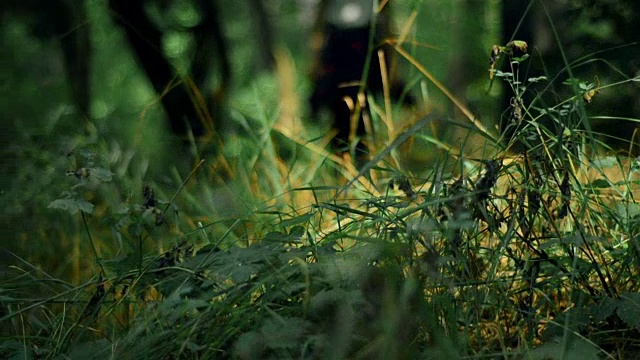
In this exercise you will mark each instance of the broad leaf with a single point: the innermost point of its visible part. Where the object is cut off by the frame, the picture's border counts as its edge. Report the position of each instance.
(72, 206)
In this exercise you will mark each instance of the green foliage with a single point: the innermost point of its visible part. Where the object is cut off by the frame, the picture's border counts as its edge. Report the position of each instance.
(528, 256)
(410, 272)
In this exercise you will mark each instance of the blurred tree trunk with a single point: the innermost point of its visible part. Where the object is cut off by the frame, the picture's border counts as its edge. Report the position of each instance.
(180, 99)
(264, 36)
(468, 69)
(467, 33)
(64, 21)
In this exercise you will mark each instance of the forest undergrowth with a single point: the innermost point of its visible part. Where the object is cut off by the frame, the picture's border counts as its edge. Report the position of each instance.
(530, 253)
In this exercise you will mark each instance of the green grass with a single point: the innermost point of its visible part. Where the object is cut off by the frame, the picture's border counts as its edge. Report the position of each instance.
(275, 248)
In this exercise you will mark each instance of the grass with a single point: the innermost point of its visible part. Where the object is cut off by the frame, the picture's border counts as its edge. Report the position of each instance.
(482, 252)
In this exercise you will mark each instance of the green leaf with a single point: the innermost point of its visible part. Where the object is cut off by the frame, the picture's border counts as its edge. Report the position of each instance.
(601, 184)
(72, 206)
(101, 174)
(628, 210)
(537, 79)
(629, 309)
(520, 59)
(293, 237)
(302, 219)
(275, 236)
(123, 263)
(249, 345)
(244, 272)
(579, 349)
(324, 303)
(605, 162)
(605, 308)
(503, 74)
(284, 332)
(571, 239)
(572, 82)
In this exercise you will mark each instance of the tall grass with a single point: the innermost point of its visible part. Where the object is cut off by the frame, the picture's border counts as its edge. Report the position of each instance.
(295, 253)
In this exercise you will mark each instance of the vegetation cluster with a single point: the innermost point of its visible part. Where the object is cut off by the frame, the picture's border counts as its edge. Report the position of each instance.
(522, 242)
